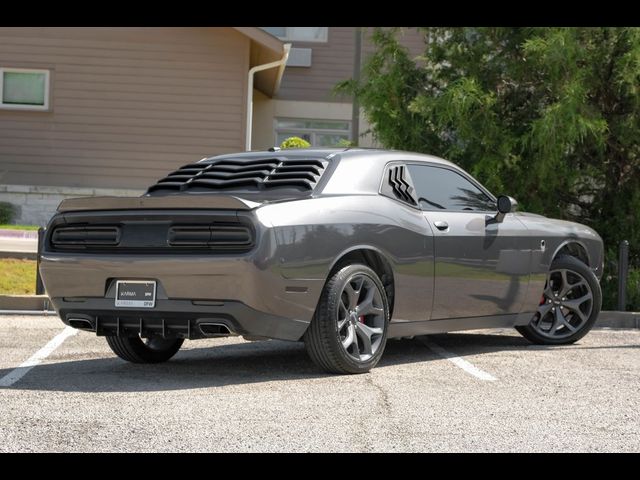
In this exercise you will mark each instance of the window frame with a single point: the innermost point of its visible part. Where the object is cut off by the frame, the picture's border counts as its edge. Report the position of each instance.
(312, 131)
(17, 106)
(456, 170)
(289, 38)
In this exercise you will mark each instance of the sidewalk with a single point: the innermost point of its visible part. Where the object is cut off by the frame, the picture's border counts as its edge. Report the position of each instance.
(19, 234)
(18, 244)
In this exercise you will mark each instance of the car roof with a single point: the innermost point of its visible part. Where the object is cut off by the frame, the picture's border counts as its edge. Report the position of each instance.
(328, 153)
(287, 153)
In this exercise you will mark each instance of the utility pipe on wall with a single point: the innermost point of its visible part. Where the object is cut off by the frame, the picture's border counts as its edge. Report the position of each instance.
(258, 68)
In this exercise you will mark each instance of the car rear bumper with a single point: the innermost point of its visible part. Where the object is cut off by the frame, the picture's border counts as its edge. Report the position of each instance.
(85, 254)
(190, 284)
(190, 319)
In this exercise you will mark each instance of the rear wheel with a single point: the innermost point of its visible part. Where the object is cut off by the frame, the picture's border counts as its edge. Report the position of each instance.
(569, 306)
(149, 350)
(348, 332)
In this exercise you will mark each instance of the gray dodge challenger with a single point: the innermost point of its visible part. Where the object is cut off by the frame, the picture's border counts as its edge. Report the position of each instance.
(339, 248)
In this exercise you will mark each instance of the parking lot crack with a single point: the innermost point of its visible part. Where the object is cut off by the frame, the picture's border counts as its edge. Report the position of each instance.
(383, 394)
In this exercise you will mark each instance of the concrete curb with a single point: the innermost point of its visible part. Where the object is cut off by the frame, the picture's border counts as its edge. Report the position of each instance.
(612, 319)
(19, 255)
(13, 234)
(24, 302)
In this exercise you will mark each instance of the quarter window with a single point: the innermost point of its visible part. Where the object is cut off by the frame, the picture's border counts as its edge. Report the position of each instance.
(24, 89)
(443, 189)
(299, 34)
(319, 133)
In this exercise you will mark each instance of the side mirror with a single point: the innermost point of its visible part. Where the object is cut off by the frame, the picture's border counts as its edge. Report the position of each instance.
(505, 205)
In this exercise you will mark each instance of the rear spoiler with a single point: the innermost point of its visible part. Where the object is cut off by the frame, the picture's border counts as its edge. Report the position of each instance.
(201, 202)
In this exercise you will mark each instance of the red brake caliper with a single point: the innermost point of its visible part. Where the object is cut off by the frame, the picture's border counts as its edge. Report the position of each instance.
(361, 318)
(542, 300)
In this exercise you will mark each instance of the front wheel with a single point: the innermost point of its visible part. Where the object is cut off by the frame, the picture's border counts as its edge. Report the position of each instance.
(569, 306)
(348, 332)
(151, 350)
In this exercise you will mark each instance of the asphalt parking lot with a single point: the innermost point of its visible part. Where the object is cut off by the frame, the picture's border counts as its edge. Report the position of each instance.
(472, 391)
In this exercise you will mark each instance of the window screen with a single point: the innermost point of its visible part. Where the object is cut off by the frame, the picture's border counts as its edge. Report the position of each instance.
(24, 88)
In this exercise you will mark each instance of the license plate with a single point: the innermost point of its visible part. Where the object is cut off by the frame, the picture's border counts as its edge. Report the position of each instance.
(135, 293)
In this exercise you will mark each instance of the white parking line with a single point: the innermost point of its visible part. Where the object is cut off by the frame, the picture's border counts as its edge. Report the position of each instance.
(468, 367)
(20, 371)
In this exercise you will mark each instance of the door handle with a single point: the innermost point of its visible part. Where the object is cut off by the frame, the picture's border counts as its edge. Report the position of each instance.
(441, 225)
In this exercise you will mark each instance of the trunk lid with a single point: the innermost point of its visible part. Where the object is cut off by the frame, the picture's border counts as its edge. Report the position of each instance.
(182, 202)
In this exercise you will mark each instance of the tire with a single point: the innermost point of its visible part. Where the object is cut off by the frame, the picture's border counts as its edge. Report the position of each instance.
(581, 321)
(137, 350)
(325, 338)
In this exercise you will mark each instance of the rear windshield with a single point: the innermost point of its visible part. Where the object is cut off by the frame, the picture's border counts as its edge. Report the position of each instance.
(245, 175)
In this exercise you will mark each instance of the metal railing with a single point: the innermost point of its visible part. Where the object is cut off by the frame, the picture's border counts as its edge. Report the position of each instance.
(623, 273)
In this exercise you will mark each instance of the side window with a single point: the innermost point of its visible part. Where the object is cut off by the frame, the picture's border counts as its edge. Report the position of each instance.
(443, 189)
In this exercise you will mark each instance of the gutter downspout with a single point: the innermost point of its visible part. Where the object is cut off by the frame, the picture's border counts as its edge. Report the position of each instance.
(258, 68)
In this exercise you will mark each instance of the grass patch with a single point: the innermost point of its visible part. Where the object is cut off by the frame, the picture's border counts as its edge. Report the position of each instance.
(18, 227)
(17, 277)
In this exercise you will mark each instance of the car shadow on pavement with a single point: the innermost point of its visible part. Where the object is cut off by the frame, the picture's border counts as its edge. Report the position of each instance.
(236, 364)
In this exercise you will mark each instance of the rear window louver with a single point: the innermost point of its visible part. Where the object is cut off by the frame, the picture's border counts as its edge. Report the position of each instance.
(401, 185)
(257, 175)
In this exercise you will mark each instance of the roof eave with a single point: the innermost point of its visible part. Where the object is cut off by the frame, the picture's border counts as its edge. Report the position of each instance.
(265, 48)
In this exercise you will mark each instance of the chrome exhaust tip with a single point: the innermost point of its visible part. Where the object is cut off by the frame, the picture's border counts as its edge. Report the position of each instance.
(209, 329)
(80, 323)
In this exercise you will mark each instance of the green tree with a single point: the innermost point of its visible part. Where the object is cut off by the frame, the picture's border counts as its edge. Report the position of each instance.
(548, 115)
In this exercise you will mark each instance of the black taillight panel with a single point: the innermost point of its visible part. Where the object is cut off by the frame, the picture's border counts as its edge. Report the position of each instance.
(212, 236)
(153, 232)
(230, 236)
(85, 236)
(189, 236)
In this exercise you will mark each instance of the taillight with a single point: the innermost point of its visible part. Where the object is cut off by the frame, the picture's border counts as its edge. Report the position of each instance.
(220, 236)
(85, 236)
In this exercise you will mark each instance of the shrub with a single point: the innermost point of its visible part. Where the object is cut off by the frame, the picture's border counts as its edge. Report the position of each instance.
(633, 290)
(294, 142)
(7, 212)
(346, 143)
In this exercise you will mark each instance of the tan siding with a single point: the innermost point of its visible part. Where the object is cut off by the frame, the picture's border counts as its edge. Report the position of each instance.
(332, 62)
(128, 104)
(409, 37)
(413, 39)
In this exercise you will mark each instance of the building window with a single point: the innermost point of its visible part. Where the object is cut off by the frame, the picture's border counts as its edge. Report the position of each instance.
(319, 133)
(299, 34)
(24, 89)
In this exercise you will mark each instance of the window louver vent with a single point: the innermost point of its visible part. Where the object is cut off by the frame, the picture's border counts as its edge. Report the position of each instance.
(400, 186)
(261, 174)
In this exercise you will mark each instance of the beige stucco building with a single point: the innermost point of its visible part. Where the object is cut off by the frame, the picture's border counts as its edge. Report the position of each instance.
(86, 111)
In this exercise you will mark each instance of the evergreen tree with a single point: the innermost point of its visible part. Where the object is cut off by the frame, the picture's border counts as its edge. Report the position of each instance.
(550, 116)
